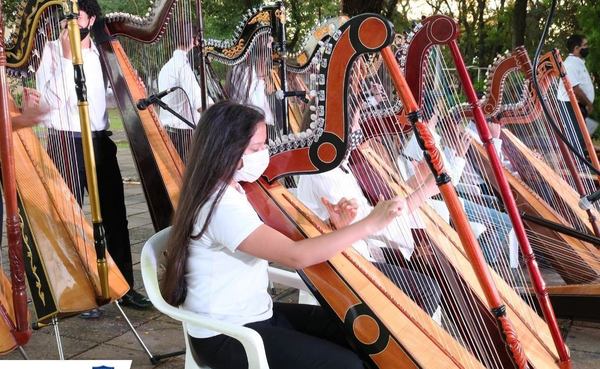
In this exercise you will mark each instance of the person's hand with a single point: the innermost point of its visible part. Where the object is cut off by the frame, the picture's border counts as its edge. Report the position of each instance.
(537, 155)
(342, 213)
(378, 92)
(495, 129)
(31, 111)
(64, 40)
(462, 143)
(384, 212)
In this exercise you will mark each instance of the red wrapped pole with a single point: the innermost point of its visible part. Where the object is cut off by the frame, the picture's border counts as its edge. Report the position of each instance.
(511, 208)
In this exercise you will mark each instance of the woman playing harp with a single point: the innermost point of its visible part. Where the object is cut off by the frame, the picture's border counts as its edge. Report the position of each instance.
(219, 271)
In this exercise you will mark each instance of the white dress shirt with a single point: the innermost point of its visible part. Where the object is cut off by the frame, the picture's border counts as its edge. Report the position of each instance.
(56, 83)
(578, 76)
(337, 183)
(177, 72)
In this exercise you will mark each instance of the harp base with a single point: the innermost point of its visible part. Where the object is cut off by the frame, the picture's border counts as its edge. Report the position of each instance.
(585, 308)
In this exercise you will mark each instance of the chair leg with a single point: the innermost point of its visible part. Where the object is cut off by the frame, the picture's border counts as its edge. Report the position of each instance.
(154, 359)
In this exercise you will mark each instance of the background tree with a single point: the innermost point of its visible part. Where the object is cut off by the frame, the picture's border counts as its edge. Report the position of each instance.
(487, 26)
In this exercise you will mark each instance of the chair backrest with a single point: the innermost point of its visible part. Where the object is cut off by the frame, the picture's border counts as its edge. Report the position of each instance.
(152, 255)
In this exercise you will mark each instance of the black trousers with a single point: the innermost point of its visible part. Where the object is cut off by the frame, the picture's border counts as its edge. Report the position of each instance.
(65, 149)
(296, 337)
(423, 290)
(566, 107)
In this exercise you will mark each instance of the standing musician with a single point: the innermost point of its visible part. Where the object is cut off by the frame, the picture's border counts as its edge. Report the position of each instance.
(218, 252)
(187, 101)
(247, 84)
(581, 80)
(55, 81)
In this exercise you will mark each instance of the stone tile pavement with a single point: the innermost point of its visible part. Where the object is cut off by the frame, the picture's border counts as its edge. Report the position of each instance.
(110, 338)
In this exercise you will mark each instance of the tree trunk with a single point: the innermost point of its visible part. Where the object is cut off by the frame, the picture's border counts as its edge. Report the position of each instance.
(355, 7)
(480, 29)
(389, 9)
(519, 19)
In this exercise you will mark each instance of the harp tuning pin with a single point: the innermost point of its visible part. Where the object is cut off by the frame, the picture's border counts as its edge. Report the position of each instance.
(313, 117)
(309, 132)
(284, 139)
(313, 108)
(291, 137)
(313, 125)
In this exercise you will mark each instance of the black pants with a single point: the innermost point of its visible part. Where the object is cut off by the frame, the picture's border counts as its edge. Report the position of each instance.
(296, 337)
(571, 117)
(65, 149)
(424, 291)
(181, 139)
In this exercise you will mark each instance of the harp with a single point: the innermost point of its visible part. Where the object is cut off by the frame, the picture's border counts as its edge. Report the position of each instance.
(549, 183)
(59, 243)
(347, 281)
(245, 64)
(14, 321)
(159, 165)
(324, 150)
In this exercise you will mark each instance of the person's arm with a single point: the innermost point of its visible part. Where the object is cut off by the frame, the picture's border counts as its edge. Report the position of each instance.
(267, 243)
(427, 189)
(31, 112)
(54, 78)
(190, 85)
(582, 99)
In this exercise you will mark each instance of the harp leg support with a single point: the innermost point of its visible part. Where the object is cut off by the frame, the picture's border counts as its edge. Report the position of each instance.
(61, 354)
(154, 359)
(23, 353)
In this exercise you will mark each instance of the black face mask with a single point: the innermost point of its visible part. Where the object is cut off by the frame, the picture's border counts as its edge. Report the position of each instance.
(85, 31)
(584, 52)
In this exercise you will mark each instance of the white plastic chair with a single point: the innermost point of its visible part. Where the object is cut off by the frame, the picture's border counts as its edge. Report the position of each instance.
(152, 255)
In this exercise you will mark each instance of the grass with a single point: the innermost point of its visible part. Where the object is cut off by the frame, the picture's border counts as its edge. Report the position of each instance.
(116, 122)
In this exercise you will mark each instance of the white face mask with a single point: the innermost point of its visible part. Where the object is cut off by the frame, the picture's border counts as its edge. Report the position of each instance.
(253, 166)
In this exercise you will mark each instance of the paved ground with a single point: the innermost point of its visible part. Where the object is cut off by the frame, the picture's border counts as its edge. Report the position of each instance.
(110, 338)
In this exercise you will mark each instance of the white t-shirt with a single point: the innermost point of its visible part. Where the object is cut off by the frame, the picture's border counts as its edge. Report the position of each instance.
(223, 283)
(335, 184)
(578, 76)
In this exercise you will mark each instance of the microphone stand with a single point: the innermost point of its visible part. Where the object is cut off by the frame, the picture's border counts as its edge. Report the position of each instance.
(163, 105)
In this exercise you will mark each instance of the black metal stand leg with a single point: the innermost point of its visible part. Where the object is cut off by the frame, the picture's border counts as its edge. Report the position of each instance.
(23, 353)
(154, 359)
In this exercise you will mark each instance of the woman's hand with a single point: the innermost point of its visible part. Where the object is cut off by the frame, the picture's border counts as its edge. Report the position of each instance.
(342, 213)
(385, 212)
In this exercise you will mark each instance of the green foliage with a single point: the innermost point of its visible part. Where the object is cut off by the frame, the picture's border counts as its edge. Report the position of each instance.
(588, 19)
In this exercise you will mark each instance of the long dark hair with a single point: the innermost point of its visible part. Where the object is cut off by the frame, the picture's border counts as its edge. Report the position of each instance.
(238, 82)
(221, 137)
